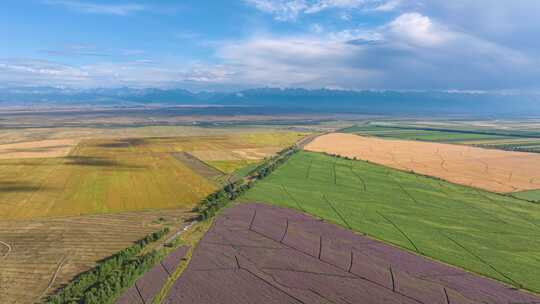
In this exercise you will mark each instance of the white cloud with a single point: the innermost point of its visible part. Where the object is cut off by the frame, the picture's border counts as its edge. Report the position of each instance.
(418, 29)
(94, 8)
(412, 51)
(290, 9)
(388, 6)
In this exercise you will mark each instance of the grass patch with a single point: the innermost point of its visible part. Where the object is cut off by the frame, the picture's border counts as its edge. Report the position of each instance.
(493, 235)
(191, 237)
(230, 166)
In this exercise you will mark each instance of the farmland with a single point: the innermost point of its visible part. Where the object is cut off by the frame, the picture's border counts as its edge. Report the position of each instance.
(532, 195)
(493, 170)
(98, 176)
(71, 196)
(257, 253)
(45, 254)
(486, 233)
(520, 139)
(126, 174)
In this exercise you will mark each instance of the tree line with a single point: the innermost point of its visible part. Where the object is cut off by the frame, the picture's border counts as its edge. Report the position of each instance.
(111, 276)
(220, 198)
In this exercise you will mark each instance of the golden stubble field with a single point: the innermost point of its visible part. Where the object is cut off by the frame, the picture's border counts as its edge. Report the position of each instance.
(38, 256)
(492, 170)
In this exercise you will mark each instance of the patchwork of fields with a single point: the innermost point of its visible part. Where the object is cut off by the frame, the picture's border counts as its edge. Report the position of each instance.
(490, 234)
(113, 175)
(256, 253)
(493, 170)
(63, 202)
(513, 140)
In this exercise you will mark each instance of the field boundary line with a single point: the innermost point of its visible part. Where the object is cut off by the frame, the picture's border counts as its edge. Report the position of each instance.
(481, 260)
(401, 231)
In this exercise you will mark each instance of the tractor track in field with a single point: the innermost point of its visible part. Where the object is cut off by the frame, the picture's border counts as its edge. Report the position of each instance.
(53, 278)
(479, 258)
(9, 249)
(506, 208)
(359, 178)
(336, 211)
(400, 231)
(309, 169)
(293, 198)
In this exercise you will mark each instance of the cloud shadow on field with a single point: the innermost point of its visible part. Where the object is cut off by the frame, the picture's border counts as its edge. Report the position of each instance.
(123, 143)
(99, 162)
(14, 186)
(32, 150)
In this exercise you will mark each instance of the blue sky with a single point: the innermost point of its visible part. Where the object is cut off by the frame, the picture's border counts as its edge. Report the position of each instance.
(237, 44)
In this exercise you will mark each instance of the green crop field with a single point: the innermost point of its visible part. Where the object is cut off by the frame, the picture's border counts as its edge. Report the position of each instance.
(409, 133)
(494, 235)
(531, 195)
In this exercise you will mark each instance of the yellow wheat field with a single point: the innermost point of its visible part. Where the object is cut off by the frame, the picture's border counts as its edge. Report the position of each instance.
(493, 170)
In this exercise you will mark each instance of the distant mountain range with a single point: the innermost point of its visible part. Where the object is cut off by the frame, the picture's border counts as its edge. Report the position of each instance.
(372, 102)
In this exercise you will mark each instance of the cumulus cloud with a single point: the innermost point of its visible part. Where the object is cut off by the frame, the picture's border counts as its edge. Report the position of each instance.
(412, 51)
(418, 29)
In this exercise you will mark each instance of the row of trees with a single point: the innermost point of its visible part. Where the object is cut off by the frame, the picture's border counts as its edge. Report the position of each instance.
(111, 276)
(217, 200)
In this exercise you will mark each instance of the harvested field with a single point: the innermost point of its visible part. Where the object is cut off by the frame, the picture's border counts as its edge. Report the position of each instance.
(99, 176)
(237, 154)
(150, 284)
(493, 170)
(124, 174)
(197, 165)
(38, 149)
(261, 254)
(43, 255)
(491, 234)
